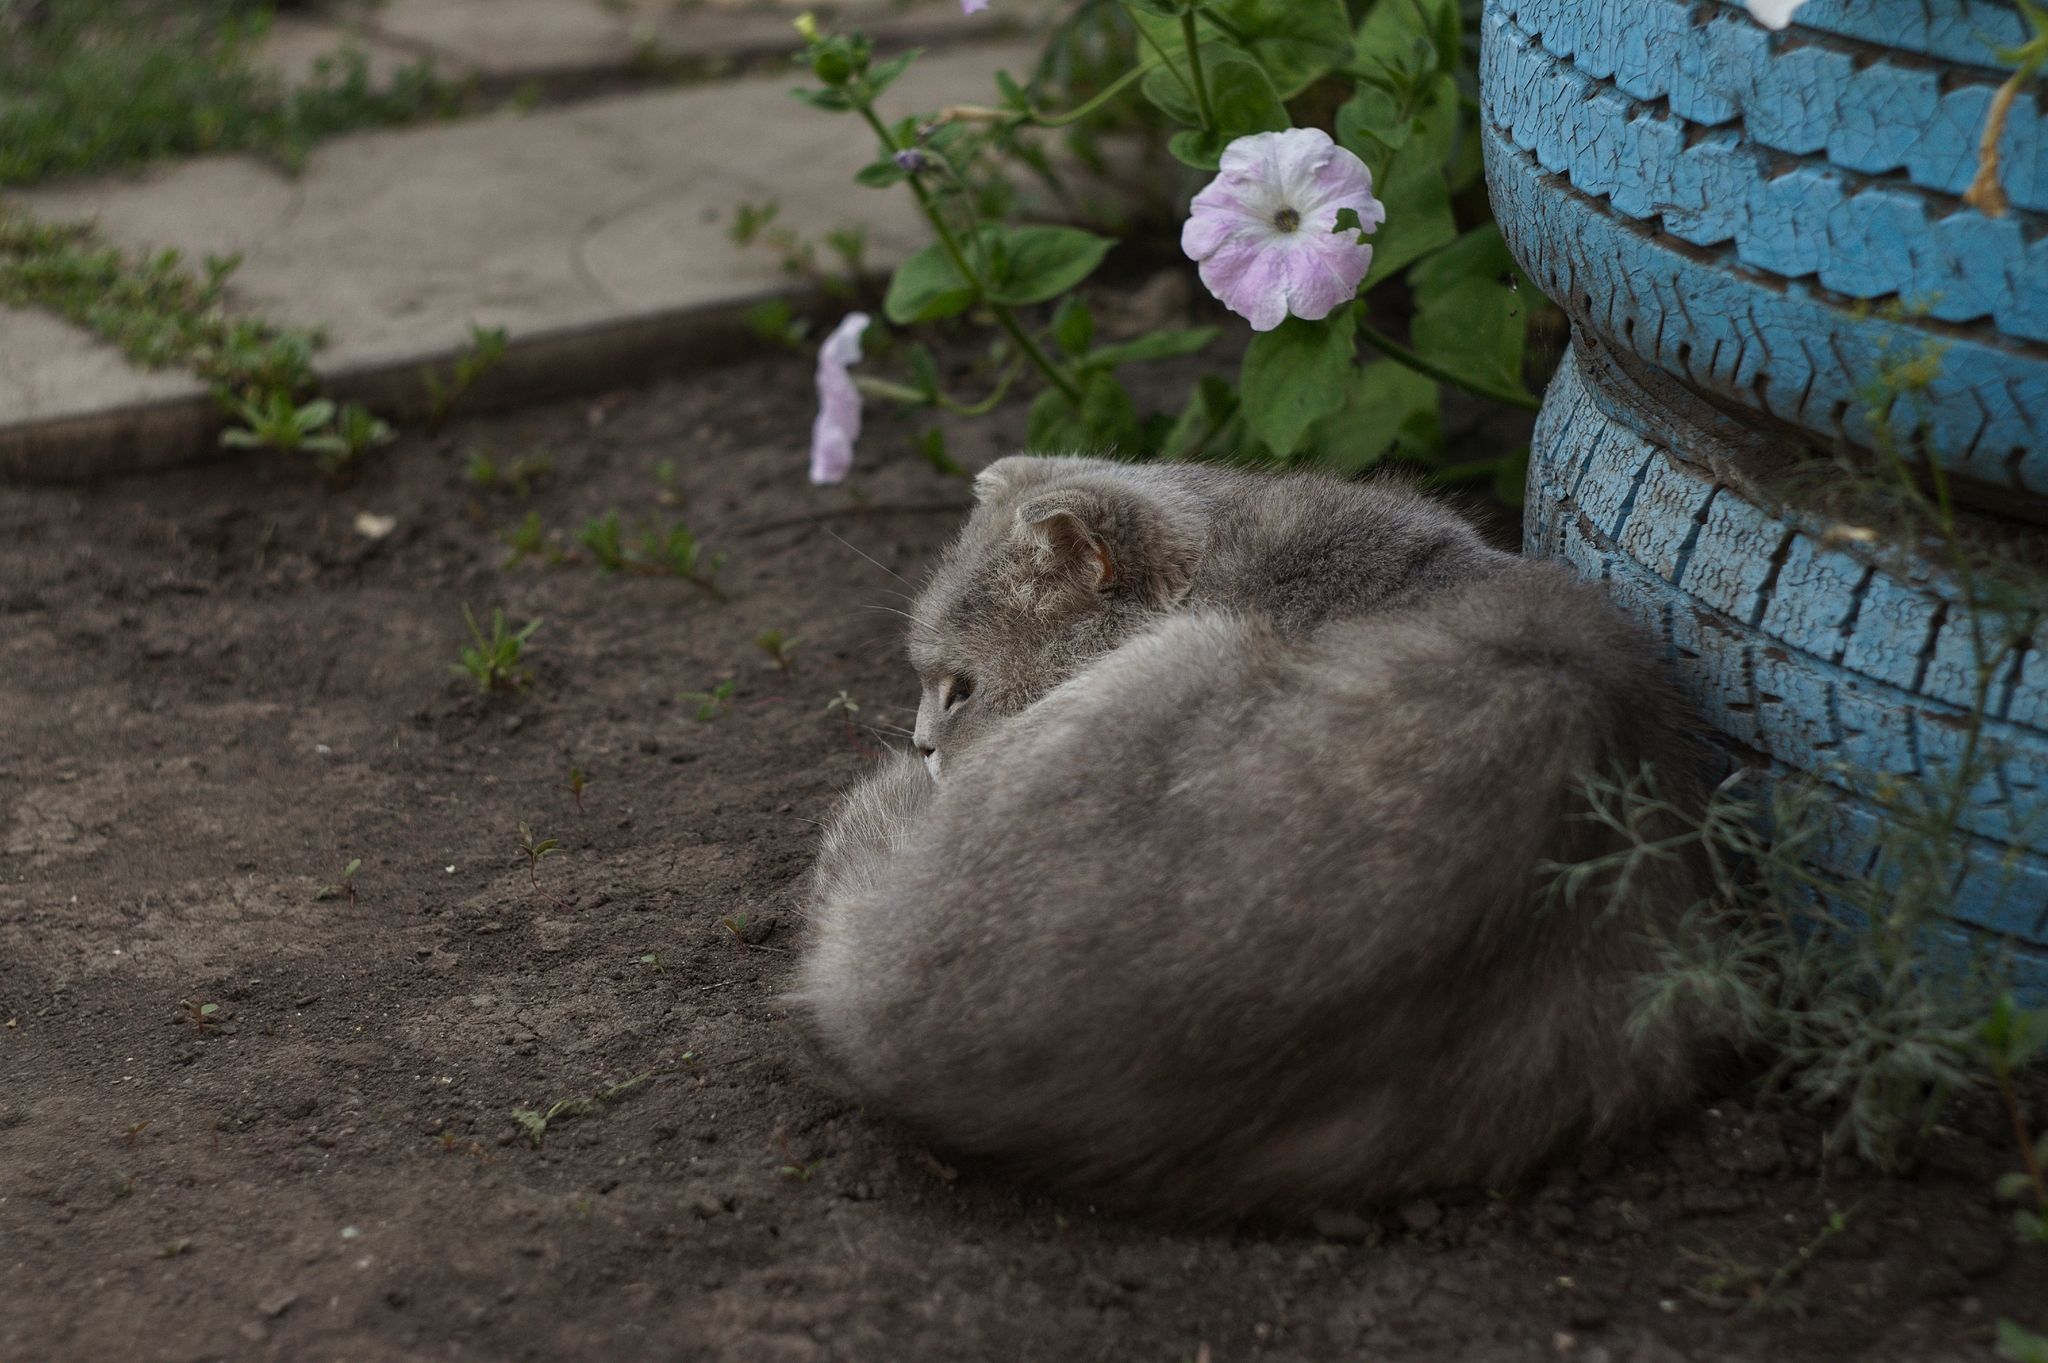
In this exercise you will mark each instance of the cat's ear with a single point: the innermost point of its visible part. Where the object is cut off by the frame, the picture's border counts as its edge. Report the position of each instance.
(1012, 475)
(1109, 540)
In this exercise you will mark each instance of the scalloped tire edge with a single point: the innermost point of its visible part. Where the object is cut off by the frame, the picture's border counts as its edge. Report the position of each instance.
(1624, 510)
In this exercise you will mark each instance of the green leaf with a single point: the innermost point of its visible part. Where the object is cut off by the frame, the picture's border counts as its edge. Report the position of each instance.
(1244, 101)
(1481, 253)
(2012, 1187)
(1380, 400)
(1160, 345)
(1402, 43)
(1205, 422)
(1073, 326)
(1105, 422)
(1295, 40)
(1373, 126)
(882, 77)
(880, 174)
(1294, 375)
(1475, 330)
(1414, 189)
(1165, 9)
(926, 288)
(831, 101)
(2019, 1344)
(1038, 263)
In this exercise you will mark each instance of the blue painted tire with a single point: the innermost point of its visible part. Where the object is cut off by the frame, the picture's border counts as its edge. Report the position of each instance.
(1803, 652)
(1729, 204)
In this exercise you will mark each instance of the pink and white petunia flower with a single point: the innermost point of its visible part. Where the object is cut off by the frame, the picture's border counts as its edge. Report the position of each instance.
(973, 6)
(1264, 232)
(838, 423)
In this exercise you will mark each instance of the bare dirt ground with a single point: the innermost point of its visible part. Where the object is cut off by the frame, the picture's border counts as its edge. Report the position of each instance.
(214, 692)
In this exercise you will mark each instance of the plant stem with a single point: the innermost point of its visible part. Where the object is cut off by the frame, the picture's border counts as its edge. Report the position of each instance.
(1004, 317)
(1188, 38)
(1400, 354)
(2025, 1139)
(1114, 89)
(531, 869)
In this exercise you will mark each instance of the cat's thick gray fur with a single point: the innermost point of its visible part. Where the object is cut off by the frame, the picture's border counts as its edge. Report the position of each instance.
(1225, 899)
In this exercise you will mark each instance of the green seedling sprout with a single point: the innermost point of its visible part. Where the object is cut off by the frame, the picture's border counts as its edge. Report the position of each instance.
(792, 1169)
(848, 707)
(576, 785)
(516, 476)
(675, 551)
(536, 1122)
(737, 926)
(347, 885)
(653, 958)
(528, 540)
(711, 703)
(778, 648)
(535, 849)
(480, 354)
(600, 535)
(175, 1248)
(665, 479)
(133, 1131)
(496, 663)
(2006, 1042)
(357, 431)
(275, 421)
(200, 1015)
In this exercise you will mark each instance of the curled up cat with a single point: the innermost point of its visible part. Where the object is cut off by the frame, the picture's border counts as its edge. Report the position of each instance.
(1214, 887)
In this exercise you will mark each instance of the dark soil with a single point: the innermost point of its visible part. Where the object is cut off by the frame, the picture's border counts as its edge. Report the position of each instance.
(215, 693)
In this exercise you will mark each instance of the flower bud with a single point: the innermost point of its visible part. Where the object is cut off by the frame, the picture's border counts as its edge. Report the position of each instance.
(913, 160)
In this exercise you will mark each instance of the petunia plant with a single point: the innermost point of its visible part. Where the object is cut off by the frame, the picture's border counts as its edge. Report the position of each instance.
(1297, 225)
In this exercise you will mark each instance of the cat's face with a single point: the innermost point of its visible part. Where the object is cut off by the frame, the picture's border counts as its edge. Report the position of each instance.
(1061, 561)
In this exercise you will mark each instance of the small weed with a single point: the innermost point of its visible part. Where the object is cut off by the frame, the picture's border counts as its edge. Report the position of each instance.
(175, 1248)
(794, 1170)
(1729, 1281)
(528, 540)
(359, 430)
(848, 707)
(452, 1144)
(800, 258)
(480, 354)
(124, 1185)
(346, 886)
(600, 535)
(200, 1014)
(133, 1132)
(576, 785)
(516, 475)
(777, 323)
(536, 1122)
(665, 479)
(535, 849)
(653, 958)
(778, 648)
(275, 421)
(737, 926)
(675, 551)
(496, 663)
(710, 704)
(2005, 1042)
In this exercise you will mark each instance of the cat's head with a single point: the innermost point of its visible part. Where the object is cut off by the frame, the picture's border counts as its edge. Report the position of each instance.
(1062, 560)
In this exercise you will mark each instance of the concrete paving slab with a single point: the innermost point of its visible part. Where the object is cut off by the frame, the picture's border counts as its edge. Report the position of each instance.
(596, 230)
(296, 42)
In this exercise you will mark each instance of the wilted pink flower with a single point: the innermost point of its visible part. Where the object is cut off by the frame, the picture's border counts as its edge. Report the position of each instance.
(838, 423)
(1264, 229)
(973, 6)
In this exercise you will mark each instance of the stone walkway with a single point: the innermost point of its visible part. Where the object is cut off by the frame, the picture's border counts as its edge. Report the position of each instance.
(595, 232)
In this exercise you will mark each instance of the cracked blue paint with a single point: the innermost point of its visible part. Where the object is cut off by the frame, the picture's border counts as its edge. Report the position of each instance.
(1819, 677)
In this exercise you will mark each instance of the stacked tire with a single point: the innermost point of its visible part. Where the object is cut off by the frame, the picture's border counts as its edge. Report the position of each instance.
(1747, 229)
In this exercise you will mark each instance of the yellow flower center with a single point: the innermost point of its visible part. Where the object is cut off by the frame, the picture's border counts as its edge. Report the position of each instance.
(1287, 220)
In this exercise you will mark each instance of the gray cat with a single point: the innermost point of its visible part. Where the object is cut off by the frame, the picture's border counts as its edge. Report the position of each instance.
(1220, 895)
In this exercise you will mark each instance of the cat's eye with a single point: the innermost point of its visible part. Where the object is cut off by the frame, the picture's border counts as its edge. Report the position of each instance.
(958, 689)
